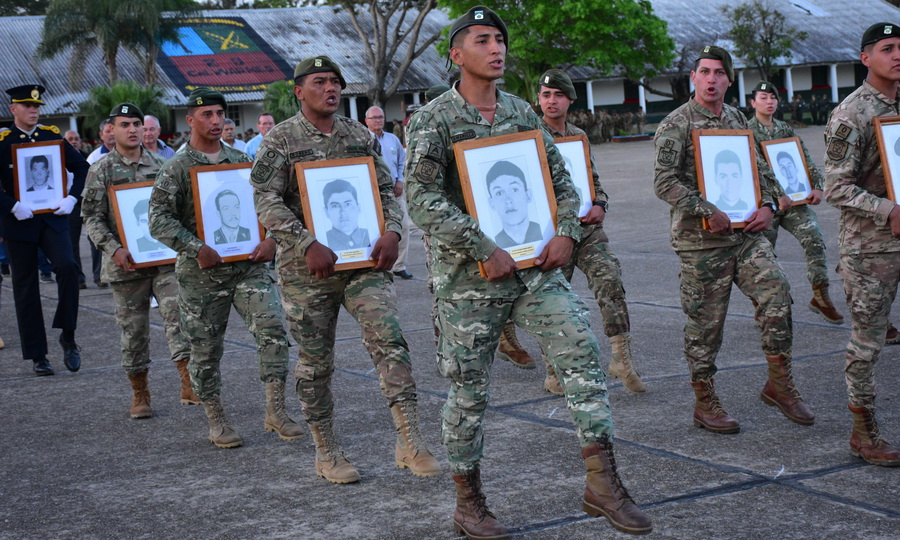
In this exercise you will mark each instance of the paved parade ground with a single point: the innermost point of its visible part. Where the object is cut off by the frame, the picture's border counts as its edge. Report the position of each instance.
(74, 465)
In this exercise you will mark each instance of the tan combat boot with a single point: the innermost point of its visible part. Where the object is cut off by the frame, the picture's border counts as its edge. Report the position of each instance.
(221, 433)
(551, 381)
(866, 441)
(511, 350)
(277, 419)
(604, 494)
(188, 397)
(140, 403)
(708, 411)
(472, 517)
(821, 304)
(781, 392)
(410, 451)
(330, 461)
(621, 366)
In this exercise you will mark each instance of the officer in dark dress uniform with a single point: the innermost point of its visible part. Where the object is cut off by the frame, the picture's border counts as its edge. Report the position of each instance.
(25, 232)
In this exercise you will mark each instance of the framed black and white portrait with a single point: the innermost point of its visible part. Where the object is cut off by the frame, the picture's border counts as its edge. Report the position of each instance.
(39, 170)
(507, 188)
(576, 153)
(131, 206)
(342, 207)
(223, 205)
(726, 171)
(887, 132)
(788, 161)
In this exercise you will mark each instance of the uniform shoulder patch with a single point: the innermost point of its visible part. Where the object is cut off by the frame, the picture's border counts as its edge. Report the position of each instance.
(837, 149)
(51, 129)
(435, 152)
(667, 150)
(268, 162)
(843, 131)
(426, 171)
(4, 132)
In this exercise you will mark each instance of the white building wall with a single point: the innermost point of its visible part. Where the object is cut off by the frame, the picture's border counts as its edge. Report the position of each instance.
(608, 92)
(802, 78)
(661, 84)
(846, 75)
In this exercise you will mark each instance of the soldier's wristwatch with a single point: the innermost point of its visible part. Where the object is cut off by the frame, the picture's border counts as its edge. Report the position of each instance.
(771, 206)
(601, 204)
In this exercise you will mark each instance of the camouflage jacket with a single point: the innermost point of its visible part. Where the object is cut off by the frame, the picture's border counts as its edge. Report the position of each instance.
(783, 130)
(97, 208)
(675, 175)
(571, 131)
(436, 204)
(276, 192)
(854, 179)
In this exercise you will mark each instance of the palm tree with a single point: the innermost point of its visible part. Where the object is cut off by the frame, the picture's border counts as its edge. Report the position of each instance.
(150, 27)
(101, 100)
(280, 100)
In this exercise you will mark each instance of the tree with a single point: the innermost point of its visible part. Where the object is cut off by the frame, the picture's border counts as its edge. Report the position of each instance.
(101, 100)
(621, 37)
(280, 101)
(761, 35)
(16, 8)
(149, 23)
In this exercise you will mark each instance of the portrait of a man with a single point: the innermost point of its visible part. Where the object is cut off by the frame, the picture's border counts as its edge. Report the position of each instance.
(228, 208)
(789, 170)
(342, 209)
(141, 215)
(729, 179)
(38, 174)
(509, 197)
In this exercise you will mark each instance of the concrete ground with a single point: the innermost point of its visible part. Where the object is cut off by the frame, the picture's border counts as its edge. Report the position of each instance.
(74, 465)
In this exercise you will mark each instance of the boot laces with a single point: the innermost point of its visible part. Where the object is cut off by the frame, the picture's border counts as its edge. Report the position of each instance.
(617, 482)
(330, 442)
(411, 414)
(509, 332)
(715, 406)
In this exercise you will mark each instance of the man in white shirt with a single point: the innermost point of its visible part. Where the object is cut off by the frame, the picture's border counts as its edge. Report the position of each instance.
(228, 136)
(264, 123)
(152, 141)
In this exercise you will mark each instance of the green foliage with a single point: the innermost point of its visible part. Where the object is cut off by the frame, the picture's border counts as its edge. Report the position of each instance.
(280, 100)
(147, 28)
(15, 8)
(761, 35)
(274, 4)
(102, 99)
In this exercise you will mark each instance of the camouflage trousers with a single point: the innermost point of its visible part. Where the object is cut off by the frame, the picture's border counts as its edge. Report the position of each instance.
(205, 298)
(312, 306)
(801, 222)
(132, 299)
(706, 278)
(870, 283)
(604, 275)
(470, 332)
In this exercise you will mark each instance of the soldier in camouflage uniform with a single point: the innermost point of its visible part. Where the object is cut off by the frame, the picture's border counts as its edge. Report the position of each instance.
(799, 220)
(128, 163)
(314, 292)
(208, 286)
(472, 309)
(869, 229)
(714, 258)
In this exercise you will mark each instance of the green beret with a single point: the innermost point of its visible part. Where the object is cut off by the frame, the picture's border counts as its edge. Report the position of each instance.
(201, 97)
(557, 78)
(877, 32)
(127, 110)
(29, 93)
(479, 15)
(435, 91)
(318, 64)
(765, 86)
(718, 53)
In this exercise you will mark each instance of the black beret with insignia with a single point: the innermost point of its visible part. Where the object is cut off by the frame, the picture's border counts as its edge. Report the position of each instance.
(718, 53)
(765, 86)
(201, 97)
(128, 110)
(479, 15)
(877, 32)
(318, 64)
(29, 93)
(557, 78)
(435, 91)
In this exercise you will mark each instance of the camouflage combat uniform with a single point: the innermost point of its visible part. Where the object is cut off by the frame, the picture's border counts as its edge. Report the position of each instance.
(205, 296)
(471, 309)
(710, 263)
(800, 220)
(312, 304)
(870, 255)
(131, 290)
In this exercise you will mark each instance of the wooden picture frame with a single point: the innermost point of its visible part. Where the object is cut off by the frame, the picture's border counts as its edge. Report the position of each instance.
(887, 133)
(45, 162)
(341, 200)
(131, 208)
(726, 172)
(223, 205)
(576, 153)
(783, 155)
(507, 188)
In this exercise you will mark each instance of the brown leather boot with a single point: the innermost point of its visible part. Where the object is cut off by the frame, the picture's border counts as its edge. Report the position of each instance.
(330, 461)
(708, 411)
(821, 304)
(511, 350)
(221, 433)
(781, 392)
(551, 381)
(621, 366)
(277, 419)
(604, 494)
(410, 450)
(892, 336)
(140, 403)
(188, 397)
(866, 441)
(472, 517)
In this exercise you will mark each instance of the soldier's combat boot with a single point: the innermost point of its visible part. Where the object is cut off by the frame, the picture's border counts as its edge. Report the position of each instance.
(511, 350)
(621, 366)
(330, 461)
(188, 397)
(410, 450)
(140, 403)
(277, 419)
(604, 494)
(708, 411)
(551, 381)
(780, 391)
(472, 517)
(221, 433)
(892, 336)
(821, 304)
(866, 441)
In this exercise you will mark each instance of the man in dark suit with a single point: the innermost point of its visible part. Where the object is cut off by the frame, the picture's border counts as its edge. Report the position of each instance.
(25, 232)
(228, 205)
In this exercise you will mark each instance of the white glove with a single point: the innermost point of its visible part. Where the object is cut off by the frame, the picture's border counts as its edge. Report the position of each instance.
(22, 212)
(65, 206)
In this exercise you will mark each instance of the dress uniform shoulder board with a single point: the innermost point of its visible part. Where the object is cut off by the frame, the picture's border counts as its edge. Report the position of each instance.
(4, 132)
(52, 129)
